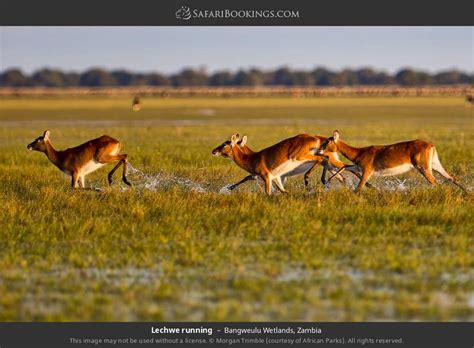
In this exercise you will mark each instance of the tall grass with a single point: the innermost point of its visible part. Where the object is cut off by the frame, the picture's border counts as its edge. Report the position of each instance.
(173, 252)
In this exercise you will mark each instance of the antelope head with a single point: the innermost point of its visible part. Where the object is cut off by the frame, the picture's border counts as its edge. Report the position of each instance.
(39, 144)
(330, 144)
(225, 149)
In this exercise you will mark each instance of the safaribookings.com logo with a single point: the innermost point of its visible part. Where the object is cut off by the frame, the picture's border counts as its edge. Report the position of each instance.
(185, 13)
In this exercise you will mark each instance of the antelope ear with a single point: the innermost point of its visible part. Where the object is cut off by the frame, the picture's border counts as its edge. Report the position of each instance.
(243, 141)
(46, 134)
(234, 139)
(335, 136)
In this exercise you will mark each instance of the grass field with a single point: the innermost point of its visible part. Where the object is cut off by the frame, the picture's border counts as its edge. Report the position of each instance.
(175, 248)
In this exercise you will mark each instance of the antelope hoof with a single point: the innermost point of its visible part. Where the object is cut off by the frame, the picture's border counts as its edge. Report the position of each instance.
(110, 179)
(124, 179)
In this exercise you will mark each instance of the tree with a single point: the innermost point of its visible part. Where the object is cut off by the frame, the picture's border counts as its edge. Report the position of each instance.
(345, 77)
(452, 77)
(254, 77)
(410, 77)
(282, 76)
(302, 78)
(14, 78)
(154, 79)
(97, 77)
(406, 77)
(423, 78)
(48, 78)
(190, 77)
(466, 78)
(123, 77)
(71, 79)
(384, 79)
(321, 76)
(222, 78)
(366, 76)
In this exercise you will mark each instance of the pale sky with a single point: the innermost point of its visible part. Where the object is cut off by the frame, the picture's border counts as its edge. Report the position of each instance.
(169, 49)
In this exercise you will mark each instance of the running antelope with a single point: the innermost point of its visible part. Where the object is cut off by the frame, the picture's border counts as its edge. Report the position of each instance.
(274, 164)
(136, 105)
(388, 160)
(83, 159)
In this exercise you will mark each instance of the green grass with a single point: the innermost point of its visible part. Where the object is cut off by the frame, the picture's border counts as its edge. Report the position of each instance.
(176, 253)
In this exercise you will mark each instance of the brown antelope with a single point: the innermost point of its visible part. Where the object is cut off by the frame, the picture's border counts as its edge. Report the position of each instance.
(274, 164)
(83, 159)
(388, 160)
(469, 100)
(136, 105)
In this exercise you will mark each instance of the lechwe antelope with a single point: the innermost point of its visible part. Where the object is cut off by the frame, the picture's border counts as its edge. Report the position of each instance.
(387, 160)
(83, 159)
(274, 164)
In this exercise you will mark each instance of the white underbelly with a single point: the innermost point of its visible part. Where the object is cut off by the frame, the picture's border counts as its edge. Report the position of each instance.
(292, 167)
(395, 170)
(90, 167)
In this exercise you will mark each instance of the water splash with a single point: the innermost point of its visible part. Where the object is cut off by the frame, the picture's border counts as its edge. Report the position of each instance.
(225, 190)
(161, 181)
(396, 184)
(250, 186)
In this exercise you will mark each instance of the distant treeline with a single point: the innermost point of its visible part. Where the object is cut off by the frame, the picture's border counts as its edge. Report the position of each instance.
(97, 77)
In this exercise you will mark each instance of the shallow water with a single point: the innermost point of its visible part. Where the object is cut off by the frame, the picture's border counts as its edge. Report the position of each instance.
(162, 181)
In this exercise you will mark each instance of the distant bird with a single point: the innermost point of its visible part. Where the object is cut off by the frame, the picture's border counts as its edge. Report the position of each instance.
(136, 106)
(469, 100)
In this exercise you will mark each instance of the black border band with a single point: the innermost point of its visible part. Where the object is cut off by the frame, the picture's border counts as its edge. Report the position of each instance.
(310, 13)
(331, 335)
